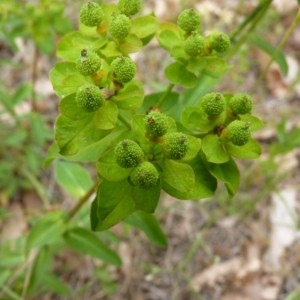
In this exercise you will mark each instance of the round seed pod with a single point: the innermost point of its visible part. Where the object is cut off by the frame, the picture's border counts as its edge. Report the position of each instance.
(220, 42)
(175, 145)
(91, 14)
(156, 123)
(123, 69)
(89, 98)
(89, 63)
(194, 44)
(189, 20)
(129, 7)
(241, 104)
(120, 26)
(213, 104)
(145, 175)
(128, 154)
(238, 132)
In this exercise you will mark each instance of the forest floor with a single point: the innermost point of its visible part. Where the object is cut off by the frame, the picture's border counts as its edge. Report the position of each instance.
(246, 248)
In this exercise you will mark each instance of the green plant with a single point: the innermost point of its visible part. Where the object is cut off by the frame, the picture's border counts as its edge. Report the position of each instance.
(91, 14)
(139, 143)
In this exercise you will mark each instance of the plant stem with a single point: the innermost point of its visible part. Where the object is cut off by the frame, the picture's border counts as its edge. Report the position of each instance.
(82, 200)
(31, 259)
(11, 294)
(284, 40)
(37, 185)
(165, 95)
(256, 16)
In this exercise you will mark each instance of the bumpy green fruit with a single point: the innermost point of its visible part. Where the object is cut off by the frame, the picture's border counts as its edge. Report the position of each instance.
(189, 20)
(128, 154)
(91, 14)
(176, 145)
(145, 175)
(238, 132)
(194, 44)
(241, 104)
(129, 7)
(123, 69)
(220, 42)
(213, 104)
(156, 123)
(89, 63)
(120, 26)
(89, 98)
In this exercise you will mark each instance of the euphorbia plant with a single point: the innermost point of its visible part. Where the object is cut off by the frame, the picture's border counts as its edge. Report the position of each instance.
(143, 144)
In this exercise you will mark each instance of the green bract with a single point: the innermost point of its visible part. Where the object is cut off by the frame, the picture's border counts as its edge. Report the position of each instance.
(238, 132)
(175, 145)
(129, 7)
(128, 154)
(189, 20)
(89, 63)
(91, 14)
(241, 104)
(156, 123)
(123, 69)
(213, 104)
(89, 98)
(220, 42)
(194, 44)
(145, 175)
(120, 26)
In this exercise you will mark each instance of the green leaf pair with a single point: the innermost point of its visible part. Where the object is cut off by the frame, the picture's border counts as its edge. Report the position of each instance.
(116, 201)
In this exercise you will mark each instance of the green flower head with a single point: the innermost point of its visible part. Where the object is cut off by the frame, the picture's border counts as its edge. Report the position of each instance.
(213, 104)
(89, 98)
(156, 123)
(123, 69)
(241, 104)
(145, 175)
(89, 63)
(176, 145)
(91, 14)
(129, 7)
(120, 26)
(238, 132)
(189, 20)
(128, 154)
(194, 44)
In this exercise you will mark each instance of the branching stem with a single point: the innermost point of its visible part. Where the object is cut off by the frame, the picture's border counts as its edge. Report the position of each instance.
(284, 40)
(165, 95)
(82, 200)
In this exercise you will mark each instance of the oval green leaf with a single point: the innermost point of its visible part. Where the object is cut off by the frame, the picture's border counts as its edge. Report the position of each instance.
(215, 67)
(70, 46)
(108, 168)
(144, 26)
(178, 175)
(84, 241)
(106, 116)
(130, 97)
(178, 74)
(114, 204)
(168, 35)
(213, 149)
(228, 173)
(250, 150)
(73, 178)
(150, 226)
(66, 79)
